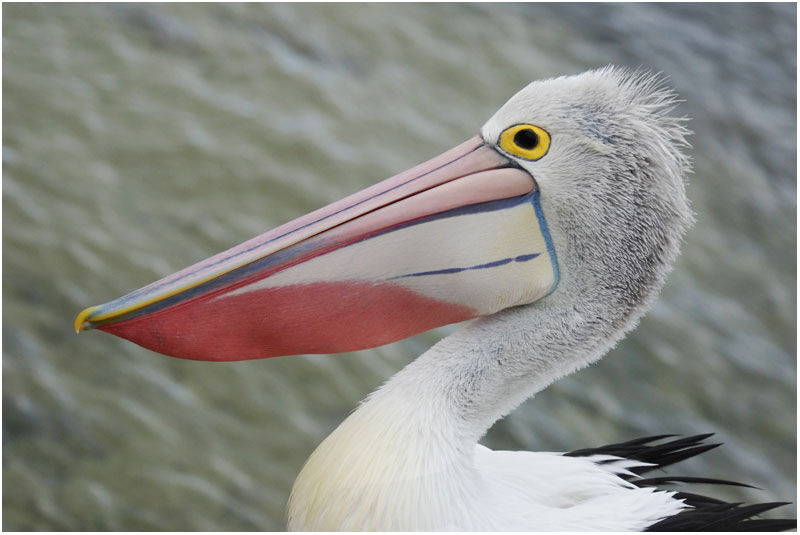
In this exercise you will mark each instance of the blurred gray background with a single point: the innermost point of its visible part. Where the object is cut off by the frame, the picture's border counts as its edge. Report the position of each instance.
(141, 138)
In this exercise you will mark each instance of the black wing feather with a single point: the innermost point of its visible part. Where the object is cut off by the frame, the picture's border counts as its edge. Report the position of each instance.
(704, 513)
(658, 455)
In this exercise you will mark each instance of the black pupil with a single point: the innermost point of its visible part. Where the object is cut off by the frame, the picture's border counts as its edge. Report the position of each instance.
(526, 139)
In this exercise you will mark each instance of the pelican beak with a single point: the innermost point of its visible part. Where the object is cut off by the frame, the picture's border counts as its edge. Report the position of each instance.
(457, 237)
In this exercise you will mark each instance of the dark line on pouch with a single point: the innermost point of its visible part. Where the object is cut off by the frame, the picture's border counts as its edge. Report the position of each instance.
(448, 271)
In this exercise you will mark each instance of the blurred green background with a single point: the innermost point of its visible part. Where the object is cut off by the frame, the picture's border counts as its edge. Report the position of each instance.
(141, 138)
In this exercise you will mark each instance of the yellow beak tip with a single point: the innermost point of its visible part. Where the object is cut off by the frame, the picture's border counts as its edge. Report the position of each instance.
(82, 320)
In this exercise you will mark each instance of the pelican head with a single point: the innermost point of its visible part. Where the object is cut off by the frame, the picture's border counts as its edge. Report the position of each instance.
(572, 190)
(611, 177)
(612, 192)
(609, 161)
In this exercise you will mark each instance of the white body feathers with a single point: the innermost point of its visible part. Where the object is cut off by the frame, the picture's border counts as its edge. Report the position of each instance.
(401, 463)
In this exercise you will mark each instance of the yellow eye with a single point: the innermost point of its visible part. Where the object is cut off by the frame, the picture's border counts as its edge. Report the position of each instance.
(526, 141)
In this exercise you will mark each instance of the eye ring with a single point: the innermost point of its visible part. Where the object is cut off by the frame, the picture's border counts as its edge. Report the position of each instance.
(526, 141)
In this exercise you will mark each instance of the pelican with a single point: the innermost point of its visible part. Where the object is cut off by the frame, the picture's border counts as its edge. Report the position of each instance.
(553, 230)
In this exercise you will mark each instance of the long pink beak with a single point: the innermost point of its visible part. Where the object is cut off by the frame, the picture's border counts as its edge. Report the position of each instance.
(416, 251)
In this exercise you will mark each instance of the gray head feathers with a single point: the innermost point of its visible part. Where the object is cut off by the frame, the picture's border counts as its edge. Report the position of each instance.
(613, 194)
(612, 182)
